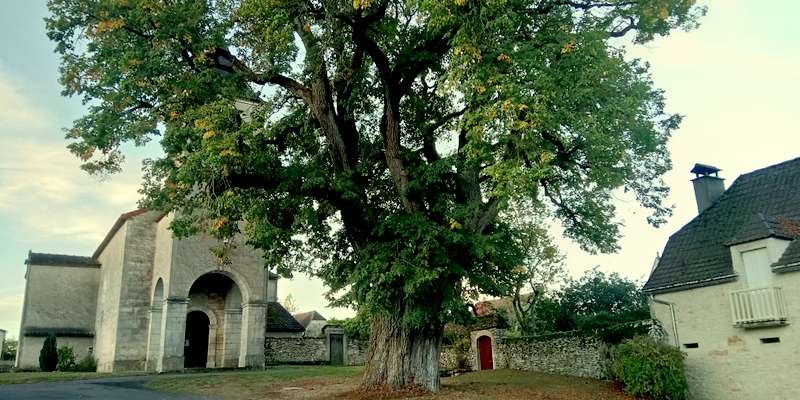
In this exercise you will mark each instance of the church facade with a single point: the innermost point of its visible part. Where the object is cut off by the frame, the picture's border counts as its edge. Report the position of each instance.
(148, 301)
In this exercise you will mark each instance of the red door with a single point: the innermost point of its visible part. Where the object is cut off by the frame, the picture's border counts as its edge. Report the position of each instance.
(485, 352)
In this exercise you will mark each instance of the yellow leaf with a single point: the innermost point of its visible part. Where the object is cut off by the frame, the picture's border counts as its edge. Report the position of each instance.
(504, 57)
(568, 47)
(209, 135)
(454, 224)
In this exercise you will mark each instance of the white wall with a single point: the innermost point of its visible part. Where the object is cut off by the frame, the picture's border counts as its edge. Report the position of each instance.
(57, 297)
(731, 362)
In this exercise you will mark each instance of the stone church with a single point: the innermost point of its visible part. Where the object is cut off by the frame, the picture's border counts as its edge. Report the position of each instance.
(148, 301)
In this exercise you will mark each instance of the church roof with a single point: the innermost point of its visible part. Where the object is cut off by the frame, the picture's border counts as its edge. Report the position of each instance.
(59, 260)
(306, 318)
(118, 224)
(762, 204)
(279, 320)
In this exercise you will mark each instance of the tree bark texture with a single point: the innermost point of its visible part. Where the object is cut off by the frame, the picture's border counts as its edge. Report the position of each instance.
(401, 357)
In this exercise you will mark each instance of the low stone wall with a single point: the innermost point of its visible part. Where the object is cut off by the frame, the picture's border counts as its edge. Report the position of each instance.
(582, 356)
(452, 359)
(310, 350)
(356, 351)
(295, 350)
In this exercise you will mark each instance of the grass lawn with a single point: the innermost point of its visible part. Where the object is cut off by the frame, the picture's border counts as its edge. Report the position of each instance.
(13, 378)
(323, 382)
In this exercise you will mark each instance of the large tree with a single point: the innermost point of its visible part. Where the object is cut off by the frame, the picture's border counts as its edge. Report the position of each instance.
(378, 144)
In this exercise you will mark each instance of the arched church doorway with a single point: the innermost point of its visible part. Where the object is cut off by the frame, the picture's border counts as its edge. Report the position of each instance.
(218, 298)
(195, 346)
(485, 352)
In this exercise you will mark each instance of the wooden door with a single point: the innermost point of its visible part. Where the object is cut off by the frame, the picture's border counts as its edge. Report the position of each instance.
(485, 352)
(195, 345)
(337, 349)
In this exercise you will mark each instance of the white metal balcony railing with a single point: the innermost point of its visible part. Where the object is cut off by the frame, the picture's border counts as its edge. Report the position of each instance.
(758, 307)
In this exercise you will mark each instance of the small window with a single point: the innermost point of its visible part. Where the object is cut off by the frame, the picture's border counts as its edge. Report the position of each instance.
(767, 340)
(691, 345)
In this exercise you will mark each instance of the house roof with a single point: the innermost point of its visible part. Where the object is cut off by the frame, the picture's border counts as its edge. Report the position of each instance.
(60, 260)
(764, 203)
(306, 318)
(279, 320)
(790, 257)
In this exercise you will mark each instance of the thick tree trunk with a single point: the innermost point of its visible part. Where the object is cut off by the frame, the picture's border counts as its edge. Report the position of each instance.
(401, 357)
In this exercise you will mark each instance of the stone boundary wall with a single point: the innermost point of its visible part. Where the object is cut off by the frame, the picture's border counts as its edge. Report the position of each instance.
(581, 356)
(452, 359)
(310, 350)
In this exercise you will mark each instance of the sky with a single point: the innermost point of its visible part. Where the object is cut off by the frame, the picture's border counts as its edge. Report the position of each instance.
(735, 80)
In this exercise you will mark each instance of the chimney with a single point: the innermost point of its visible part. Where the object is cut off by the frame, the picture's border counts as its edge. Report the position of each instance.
(707, 185)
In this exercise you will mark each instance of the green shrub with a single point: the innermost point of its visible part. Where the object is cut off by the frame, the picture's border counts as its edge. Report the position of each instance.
(87, 364)
(48, 356)
(650, 368)
(66, 358)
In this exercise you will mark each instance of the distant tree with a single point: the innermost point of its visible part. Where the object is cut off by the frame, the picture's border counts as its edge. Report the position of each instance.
(289, 304)
(598, 300)
(377, 143)
(48, 356)
(542, 266)
(9, 351)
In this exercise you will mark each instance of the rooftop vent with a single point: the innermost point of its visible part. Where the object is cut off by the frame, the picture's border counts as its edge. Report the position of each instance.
(708, 186)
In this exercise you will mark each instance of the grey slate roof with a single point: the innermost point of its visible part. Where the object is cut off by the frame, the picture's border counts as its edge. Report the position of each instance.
(790, 259)
(306, 318)
(279, 320)
(764, 203)
(59, 259)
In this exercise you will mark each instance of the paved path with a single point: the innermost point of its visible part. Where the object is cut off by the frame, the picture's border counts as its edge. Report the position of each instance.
(127, 388)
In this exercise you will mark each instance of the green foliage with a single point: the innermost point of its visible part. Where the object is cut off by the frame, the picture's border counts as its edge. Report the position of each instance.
(542, 266)
(9, 350)
(382, 146)
(87, 364)
(66, 358)
(358, 327)
(650, 368)
(598, 300)
(48, 356)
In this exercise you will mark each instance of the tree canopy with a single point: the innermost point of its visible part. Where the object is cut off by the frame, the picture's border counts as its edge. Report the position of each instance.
(382, 145)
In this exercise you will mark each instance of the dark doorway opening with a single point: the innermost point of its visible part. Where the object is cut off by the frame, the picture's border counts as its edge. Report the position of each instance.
(485, 352)
(195, 347)
(337, 349)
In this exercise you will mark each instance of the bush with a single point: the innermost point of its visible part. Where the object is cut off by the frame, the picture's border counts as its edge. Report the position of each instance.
(48, 356)
(66, 358)
(87, 364)
(649, 368)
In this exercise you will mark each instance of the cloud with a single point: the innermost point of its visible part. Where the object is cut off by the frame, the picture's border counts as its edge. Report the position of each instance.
(17, 110)
(10, 312)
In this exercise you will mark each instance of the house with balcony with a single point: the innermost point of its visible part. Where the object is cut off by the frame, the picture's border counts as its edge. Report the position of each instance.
(727, 286)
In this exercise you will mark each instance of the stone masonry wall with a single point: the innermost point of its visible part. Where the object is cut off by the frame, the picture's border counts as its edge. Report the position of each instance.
(310, 350)
(356, 353)
(575, 356)
(295, 350)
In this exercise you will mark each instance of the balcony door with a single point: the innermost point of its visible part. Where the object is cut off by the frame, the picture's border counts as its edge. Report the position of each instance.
(757, 272)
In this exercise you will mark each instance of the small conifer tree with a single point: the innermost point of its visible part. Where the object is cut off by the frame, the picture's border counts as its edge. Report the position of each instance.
(48, 357)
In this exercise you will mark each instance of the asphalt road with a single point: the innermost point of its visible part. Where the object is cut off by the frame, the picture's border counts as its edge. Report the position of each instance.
(127, 388)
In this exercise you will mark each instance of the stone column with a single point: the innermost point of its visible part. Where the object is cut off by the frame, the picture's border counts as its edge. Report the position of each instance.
(173, 334)
(154, 339)
(231, 337)
(251, 350)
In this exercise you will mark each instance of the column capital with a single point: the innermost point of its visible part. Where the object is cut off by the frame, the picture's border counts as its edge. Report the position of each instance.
(176, 300)
(254, 304)
(233, 311)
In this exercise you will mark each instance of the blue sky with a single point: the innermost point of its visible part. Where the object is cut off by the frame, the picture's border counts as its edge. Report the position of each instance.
(735, 79)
